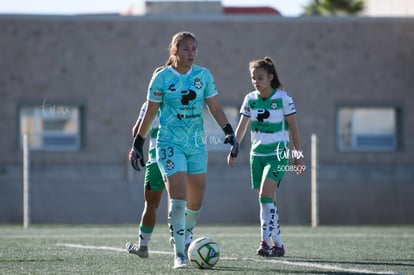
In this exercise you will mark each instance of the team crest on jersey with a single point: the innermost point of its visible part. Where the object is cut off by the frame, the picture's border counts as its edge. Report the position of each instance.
(273, 105)
(197, 83)
(170, 164)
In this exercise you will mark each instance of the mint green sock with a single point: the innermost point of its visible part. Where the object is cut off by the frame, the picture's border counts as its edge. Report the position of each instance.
(177, 224)
(191, 217)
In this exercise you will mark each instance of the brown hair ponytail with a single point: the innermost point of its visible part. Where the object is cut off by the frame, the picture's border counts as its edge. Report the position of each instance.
(267, 64)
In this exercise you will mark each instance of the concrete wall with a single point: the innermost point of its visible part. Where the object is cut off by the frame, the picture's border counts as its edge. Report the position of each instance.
(104, 65)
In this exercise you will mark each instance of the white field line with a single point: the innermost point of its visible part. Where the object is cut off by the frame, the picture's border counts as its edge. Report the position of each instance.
(80, 246)
(246, 235)
(301, 264)
(108, 248)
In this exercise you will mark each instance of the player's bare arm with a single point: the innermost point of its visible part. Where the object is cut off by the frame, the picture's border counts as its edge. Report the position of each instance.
(240, 133)
(221, 119)
(136, 155)
(242, 127)
(150, 114)
(136, 127)
(216, 110)
(294, 133)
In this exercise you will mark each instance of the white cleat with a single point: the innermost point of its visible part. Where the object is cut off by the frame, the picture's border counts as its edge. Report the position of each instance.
(180, 262)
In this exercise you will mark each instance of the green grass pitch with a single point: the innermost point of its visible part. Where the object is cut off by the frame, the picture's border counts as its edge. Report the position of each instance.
(100, 249)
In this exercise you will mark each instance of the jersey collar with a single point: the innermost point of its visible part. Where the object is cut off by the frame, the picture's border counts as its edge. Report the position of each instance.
(177, 73)
(270, 96)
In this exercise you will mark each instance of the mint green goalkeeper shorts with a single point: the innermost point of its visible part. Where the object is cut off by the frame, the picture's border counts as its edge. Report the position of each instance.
(172, 159)
(262, 167)
(153, 178)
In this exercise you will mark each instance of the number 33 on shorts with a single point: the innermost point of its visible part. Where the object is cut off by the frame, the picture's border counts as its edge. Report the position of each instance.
(166, 152)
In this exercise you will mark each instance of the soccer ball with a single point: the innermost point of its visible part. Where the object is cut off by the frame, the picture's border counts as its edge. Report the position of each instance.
(203, 253)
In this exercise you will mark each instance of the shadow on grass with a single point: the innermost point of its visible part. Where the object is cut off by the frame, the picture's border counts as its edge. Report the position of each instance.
(30, 260)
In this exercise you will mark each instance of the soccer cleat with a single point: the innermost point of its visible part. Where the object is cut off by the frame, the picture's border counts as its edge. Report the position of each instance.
(187, 244)
(263, 250)
(277, 251)
(180, 261)
(141, 251)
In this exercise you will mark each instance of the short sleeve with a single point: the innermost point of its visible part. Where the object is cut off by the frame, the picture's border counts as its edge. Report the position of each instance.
(155, 89)
(245, 108)
(210, 89)
(288, 106)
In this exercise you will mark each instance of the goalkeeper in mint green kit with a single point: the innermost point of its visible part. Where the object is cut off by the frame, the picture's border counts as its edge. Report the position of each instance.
(178, 94)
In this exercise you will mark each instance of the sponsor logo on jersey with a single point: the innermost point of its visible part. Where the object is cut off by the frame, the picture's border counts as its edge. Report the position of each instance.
(262, 114)
(172, 88)
(186, 96)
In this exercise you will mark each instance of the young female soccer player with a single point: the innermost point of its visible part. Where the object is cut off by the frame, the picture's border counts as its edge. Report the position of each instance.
(153, 185)
(179, 93)
(153, 189)
(272, 116)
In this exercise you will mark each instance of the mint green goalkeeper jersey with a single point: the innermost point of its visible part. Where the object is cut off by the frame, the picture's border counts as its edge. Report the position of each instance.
(181, 98)
(269, 127)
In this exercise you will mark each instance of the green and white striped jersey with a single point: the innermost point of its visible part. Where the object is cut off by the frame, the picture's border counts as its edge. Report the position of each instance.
(269, 127)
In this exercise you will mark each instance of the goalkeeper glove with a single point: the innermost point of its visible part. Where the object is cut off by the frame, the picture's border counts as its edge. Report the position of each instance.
(234, 151)
(231, 139)
(136, 155)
